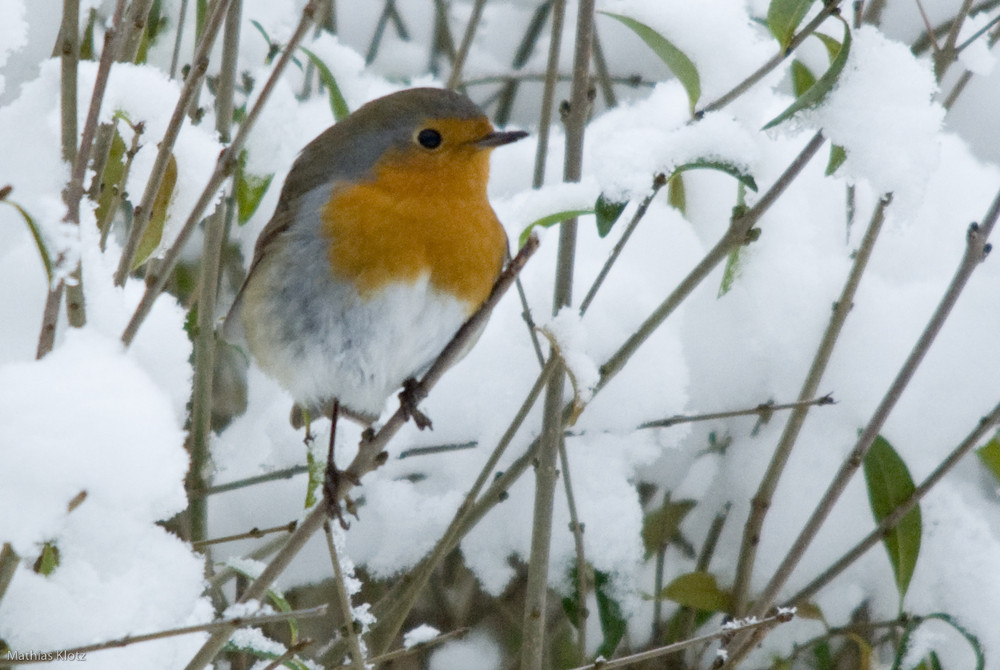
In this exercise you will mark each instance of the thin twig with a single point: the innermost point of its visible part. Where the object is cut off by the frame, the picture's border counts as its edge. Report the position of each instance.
(924, 42)
(224, 624)
(728, 630)
(286, 473)
(253, 533)
(144, 211)
(892, 519)
(975, 251)
(369, 452)
(658, 181)
(216, 225)
(175, 55)
(134, 30)
(548, 93)
(463, 48)
(223, 168)
(764, 411)
(536, 590)
(289, 654)
(582, 569)
(828, 10)
(344, 601)
(769, 483)
(415, 649)
(505, 98)
(392, 610)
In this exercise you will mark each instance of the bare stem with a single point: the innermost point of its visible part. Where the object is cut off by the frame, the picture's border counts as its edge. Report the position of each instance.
(549, 92)
(769, 483)
(134, 29)
(224, 624)
(658, 182)
(216, 225)
(582, 569)
(344, 601)
(738, 627)
(533, 627)
(763, 411)
(253, 533)
(466, 44)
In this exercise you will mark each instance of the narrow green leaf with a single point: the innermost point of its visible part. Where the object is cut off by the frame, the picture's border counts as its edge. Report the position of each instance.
(337, 103)
(802, 78)
(831, 44)
(676, 196)
(674, 58)
(48, 560)
(36, 233)
(837, 157)
(111, 177)
(87, 42)
(889, 484)
(607, 212)
(549, 221)
(823, 655)
(609, 611)
(276, 597)
(784, 16)
(317, 473)
(659, 527)
(698, 590)
(914, 622)
(721, 166)
(158, 216)
(250, 190)
(818, 91)
(989, 455)
(731, 271)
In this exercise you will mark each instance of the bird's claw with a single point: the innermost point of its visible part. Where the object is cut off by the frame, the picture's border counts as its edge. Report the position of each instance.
(409, 398)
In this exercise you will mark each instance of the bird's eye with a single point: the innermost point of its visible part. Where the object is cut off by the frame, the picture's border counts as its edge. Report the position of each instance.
(429, 138)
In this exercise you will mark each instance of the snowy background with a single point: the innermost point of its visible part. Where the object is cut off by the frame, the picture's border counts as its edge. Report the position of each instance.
(93, 416)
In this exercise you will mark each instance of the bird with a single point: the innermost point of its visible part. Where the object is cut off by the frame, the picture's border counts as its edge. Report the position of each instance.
(382, 244)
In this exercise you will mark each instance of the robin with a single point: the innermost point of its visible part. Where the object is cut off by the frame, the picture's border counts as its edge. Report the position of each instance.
(382, 244)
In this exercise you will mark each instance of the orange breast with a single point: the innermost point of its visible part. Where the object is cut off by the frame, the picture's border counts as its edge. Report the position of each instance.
(421, 214)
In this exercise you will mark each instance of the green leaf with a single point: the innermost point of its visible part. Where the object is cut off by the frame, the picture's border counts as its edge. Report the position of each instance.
(818, 91)
(659, 527)
(674, 58)
(607, 211)
(824, 656)
(837, 157)
(158, 216)
(250, 190)
(676, 196)
(721, 166)
(698, 590)
(549, 221)
(48, 560)
(914, 622)
(87, 42)
(613, 622)
(989, 455)
(317, 473)
(889, 484)
(831, 44)
(784, 16)
(802, 78)
(732, 270)
(36, 232)
(337, 103)
(277, 598)
(111, 177)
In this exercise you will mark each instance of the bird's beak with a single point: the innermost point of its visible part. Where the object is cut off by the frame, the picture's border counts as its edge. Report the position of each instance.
(498, 138)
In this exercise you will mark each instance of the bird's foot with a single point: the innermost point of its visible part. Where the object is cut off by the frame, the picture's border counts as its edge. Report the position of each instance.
(332, 483)
(409, 398)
